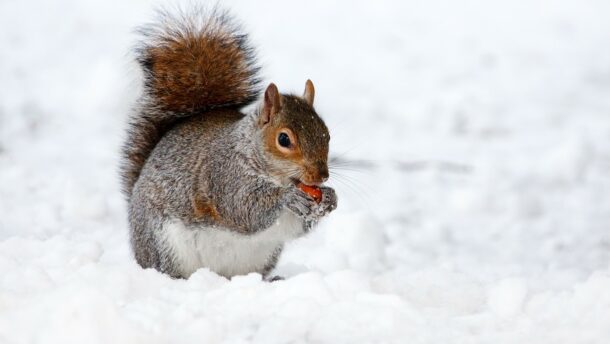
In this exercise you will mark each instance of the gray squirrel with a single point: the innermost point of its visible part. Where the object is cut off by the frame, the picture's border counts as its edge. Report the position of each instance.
(207, 185)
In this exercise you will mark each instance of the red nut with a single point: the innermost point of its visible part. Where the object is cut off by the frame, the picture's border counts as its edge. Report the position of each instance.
(312, 191)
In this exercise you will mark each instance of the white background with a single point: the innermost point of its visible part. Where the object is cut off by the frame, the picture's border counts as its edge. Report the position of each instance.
(474, 207)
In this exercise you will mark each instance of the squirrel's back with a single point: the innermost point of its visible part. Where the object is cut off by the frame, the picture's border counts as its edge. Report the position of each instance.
(192, 63)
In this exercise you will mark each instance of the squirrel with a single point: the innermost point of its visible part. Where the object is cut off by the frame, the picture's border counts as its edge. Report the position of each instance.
(207, 185)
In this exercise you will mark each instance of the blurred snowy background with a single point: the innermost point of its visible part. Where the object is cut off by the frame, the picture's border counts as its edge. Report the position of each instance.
(475, 207)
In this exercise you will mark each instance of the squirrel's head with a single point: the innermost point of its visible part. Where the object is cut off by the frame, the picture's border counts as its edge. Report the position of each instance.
(295, 138)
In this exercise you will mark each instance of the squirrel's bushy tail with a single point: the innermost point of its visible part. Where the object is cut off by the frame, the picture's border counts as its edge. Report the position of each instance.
(192, 62)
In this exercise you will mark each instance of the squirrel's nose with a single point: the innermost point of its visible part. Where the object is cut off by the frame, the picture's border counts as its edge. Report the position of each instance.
(323, 173)
(316, 174)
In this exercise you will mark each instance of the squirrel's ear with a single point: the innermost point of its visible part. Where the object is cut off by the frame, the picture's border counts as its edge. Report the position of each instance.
(309, 93)
(271, 104)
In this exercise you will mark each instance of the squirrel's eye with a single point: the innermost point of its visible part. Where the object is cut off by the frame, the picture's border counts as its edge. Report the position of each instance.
(283, 140)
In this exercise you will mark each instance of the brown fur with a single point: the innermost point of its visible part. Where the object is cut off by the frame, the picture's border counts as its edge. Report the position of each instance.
(310, 152)
(203, 208)
(270, 138)
(194, 69)
(192, 64)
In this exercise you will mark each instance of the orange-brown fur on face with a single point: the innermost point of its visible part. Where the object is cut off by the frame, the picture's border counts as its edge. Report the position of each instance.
(308, 160)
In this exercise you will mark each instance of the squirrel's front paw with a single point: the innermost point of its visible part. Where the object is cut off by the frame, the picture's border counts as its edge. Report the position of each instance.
(301, 204)
(307, 208)
(328, 203)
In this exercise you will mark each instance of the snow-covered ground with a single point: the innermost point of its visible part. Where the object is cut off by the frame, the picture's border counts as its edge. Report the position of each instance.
(474, 206)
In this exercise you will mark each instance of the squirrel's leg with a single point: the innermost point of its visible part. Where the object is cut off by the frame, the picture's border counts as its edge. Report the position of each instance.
(142, 235)
(251, 207)
(147, 226)
(271, 265)
(308, 225)
(274, 279)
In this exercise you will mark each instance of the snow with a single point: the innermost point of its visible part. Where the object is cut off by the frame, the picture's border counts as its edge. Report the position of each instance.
(474, 201)
(506, 298)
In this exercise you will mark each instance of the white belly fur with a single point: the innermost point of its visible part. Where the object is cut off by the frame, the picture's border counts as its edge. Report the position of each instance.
(226, 252)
